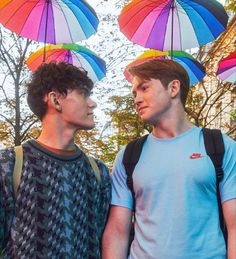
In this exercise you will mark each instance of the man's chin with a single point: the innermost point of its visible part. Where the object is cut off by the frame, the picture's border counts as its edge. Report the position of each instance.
(89, 127)
(144, 119)
(86, 127)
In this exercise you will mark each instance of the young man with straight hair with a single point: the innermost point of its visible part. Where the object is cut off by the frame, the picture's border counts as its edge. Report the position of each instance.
(176, 208)
(60, 207)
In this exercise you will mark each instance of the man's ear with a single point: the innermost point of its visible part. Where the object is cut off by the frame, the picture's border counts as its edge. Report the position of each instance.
(174, 88)
(53, 100)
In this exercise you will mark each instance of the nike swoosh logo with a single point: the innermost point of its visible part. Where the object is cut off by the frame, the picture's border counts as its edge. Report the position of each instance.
(195, 156)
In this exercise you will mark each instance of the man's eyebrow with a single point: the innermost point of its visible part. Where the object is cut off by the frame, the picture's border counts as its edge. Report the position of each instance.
(137, 87)
(140, 84)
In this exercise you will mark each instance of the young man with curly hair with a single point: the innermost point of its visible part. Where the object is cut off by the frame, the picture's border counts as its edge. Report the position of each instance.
(60, 208)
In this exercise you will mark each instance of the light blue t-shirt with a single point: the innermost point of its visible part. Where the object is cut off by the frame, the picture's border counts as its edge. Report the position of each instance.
(176, 204)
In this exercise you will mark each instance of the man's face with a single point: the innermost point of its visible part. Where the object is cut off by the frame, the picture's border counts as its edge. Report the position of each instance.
(152, 100)
(77, 110)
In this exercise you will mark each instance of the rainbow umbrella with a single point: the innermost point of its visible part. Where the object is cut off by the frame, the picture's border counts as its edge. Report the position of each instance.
(227, 68)
(51, 21)
(70, 53)
(172, 24)
(194, 69)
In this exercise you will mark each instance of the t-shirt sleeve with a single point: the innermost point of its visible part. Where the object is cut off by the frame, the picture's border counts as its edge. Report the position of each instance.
(121, 195)
(228, 184)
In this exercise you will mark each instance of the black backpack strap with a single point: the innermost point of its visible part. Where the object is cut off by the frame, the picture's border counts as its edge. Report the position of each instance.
(130, 159)
(214, 145)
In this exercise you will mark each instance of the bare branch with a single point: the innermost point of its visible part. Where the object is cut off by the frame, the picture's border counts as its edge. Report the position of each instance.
(7, 120)
(27, 129)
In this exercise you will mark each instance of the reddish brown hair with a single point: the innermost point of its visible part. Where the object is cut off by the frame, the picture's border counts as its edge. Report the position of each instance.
(166, 71)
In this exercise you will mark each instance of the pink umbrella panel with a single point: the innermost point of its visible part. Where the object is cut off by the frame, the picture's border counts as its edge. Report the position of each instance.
(227, 68)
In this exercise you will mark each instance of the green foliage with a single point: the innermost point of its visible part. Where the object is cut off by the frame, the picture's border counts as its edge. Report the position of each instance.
(193, 105)
(5, 133)
(126, 126)
(231, 6)
(126, 121)
(233, 114)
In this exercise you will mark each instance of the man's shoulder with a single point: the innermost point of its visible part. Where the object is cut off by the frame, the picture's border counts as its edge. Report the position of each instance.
(102, 166)
(7, 161)
(103, 169)
(7, 154)
(230, 146)
(229, 143)
(228, 140)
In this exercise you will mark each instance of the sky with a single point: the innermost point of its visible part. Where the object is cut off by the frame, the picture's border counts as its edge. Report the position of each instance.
(110, 3)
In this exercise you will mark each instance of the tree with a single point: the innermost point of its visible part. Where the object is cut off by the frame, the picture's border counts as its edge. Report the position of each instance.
(15, 116)
(211, 101)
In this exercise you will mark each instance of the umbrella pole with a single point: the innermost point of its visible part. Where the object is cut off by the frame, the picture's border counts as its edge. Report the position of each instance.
(172, 29)
(46, 28)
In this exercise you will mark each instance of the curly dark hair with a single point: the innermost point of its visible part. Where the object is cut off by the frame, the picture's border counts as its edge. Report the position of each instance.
(59, 77)
(165, 71)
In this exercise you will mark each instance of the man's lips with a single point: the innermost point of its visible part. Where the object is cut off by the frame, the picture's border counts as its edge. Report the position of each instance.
(140, 109)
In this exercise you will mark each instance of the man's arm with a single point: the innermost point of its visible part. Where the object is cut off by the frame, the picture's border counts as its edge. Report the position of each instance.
(115, 239)
(229, 211)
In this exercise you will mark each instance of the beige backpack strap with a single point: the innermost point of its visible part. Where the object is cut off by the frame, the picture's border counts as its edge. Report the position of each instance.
(17, 168)
(95, 168)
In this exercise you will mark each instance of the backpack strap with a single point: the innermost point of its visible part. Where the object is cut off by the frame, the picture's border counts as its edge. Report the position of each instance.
(130, 159)
(95, 168)
(214, 145)
(17, 167)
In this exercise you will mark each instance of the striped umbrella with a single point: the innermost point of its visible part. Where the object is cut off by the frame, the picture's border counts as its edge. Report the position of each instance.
(70, 53)
(194, 69)
(51, 21)
(172, 24)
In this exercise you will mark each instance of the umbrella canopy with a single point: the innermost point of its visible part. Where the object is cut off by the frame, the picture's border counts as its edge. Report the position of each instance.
(194, 69)
(70, 53)
(172, 24)
(51, 21)
(227, 68)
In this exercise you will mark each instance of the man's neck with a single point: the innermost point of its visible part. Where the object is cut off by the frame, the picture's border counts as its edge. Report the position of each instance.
(59, 151)
(56, 136)
(57, 143)
(172, 126)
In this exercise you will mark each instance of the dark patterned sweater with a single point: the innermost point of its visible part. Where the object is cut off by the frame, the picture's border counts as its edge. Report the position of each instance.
(60, 208)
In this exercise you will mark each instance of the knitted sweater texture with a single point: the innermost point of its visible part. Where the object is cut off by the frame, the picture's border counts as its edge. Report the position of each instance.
(60, 208)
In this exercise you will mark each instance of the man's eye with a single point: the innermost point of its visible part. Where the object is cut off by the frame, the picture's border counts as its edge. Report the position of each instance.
(86, 93)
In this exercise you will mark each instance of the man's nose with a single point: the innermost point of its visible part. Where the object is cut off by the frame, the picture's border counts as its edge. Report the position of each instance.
(138, 99)
(92, 103)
